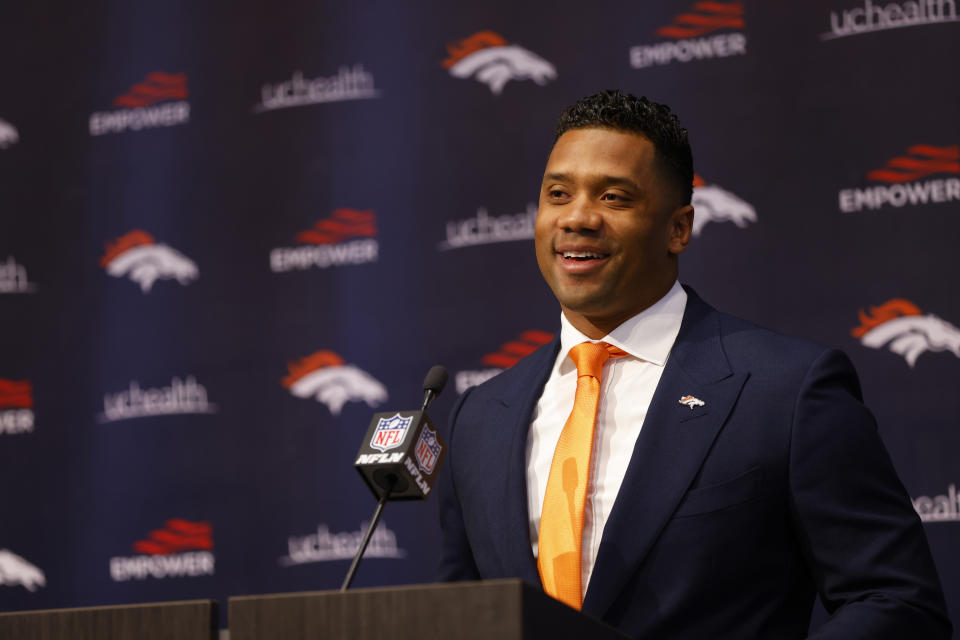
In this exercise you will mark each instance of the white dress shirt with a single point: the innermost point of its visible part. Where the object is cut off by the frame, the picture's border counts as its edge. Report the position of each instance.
(647, 338)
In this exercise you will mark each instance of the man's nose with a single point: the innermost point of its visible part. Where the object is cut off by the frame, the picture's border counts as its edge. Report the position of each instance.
(580, 216)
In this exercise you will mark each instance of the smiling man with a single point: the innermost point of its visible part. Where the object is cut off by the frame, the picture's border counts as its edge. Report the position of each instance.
(669, 469)
(607, 236)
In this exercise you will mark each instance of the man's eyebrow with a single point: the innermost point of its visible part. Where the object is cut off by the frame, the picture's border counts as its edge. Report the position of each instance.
(606, 181)
(558, 177)
(615, 181)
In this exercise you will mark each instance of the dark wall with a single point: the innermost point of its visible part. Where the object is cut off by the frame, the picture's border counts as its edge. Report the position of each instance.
(229, 235)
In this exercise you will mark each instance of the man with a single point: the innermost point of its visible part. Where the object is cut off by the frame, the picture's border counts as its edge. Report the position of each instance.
(726, 474)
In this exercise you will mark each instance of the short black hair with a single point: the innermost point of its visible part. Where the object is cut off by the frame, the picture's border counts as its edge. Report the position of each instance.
(612, 109)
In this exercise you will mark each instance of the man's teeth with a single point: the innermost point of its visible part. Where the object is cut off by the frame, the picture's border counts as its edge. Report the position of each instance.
(581, 255)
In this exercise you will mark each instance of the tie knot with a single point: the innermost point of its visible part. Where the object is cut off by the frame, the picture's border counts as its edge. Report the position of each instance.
(590, 356)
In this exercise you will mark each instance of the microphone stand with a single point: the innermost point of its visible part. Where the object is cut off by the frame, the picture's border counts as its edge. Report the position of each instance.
(366, 538)
(428, 396)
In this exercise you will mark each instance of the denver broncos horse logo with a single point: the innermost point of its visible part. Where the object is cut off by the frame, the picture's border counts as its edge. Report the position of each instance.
(15, 570)
(713, 204)
(137, 256)
(325, 376)
(487, 55)
(900, 325)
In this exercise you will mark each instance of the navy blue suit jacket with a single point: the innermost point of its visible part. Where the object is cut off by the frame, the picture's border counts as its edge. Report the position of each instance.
(732, 515)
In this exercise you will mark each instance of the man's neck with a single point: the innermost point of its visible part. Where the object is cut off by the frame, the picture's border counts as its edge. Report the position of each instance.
(596, 326)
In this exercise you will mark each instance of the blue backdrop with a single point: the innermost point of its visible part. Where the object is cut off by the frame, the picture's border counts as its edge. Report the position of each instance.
(229, 234)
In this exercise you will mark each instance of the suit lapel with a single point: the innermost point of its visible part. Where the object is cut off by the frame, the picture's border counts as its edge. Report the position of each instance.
(669, 452)
(513, 411)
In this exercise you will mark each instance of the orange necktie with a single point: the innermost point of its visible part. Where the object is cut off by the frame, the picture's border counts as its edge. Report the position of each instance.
(561, 521)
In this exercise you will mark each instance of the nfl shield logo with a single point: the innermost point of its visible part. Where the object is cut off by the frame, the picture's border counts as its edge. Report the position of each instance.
(428, 450)
(390, 432)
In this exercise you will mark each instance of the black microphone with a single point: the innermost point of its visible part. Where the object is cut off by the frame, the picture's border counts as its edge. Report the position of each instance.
(400, 456)
(433, 384)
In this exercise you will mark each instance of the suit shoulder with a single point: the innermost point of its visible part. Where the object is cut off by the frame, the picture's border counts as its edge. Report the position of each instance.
(749, 344)
(744, 341)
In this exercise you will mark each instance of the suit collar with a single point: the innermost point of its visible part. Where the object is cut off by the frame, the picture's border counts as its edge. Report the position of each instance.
(669, 451)
(698, 350)
(513, 408)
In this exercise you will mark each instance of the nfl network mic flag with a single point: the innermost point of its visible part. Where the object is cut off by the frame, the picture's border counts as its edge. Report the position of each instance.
(400, 448)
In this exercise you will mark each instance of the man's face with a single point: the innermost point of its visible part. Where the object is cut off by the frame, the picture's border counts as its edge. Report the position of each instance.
(608, 228)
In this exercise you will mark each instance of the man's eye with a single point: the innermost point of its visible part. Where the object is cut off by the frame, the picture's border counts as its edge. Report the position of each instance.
(612, 197)
(557, 193)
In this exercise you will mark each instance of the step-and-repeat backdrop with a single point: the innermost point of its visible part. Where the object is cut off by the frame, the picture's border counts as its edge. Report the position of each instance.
(229, 234)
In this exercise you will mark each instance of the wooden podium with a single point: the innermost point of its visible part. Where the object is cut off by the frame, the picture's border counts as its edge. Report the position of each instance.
(491, 610)
(189, 620)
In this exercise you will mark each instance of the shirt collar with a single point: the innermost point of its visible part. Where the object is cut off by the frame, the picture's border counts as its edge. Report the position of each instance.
(649, 335)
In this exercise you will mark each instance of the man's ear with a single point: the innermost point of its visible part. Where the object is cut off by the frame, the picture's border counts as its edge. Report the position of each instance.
(680, 229)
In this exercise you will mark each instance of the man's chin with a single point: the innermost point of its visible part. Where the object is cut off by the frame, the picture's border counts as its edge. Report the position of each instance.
(586, 306)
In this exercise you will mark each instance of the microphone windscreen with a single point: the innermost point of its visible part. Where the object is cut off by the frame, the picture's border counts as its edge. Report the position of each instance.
(436, 379)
